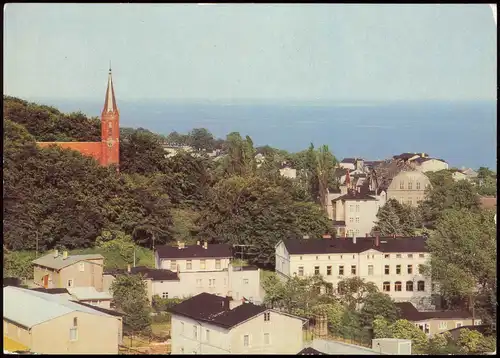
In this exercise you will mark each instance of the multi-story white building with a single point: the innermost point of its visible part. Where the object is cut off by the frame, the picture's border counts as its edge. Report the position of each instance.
(206, 268)
(425, 164)
(392, 264)
(209, 324)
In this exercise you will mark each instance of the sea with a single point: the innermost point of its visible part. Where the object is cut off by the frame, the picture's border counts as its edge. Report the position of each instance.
(462, 133)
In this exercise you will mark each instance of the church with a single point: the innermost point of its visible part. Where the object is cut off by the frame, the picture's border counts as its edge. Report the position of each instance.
(107, 151)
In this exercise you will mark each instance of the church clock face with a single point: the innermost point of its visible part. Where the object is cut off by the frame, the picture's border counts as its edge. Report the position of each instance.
(110, 142)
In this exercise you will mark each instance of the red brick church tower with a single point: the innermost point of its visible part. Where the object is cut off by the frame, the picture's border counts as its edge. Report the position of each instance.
(107, 151)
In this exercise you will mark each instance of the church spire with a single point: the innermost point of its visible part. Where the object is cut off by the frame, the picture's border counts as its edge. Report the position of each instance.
(110, 101)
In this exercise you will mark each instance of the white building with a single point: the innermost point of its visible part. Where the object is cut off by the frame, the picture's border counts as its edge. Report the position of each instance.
(206, 268)
(209, 324)
(392, 264)
(288, 172)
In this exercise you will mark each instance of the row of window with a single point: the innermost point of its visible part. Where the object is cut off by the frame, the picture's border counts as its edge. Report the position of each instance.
(410, 185)
(246, 337)
(351, 208)
(409, 201)
(386, 256)
(387, 270)
(189, 265)
(398, 286)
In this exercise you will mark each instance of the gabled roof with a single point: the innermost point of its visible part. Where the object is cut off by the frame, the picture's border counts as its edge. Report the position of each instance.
(346, 245)
(152, 273)
(100, 309)
(88, 293)
(309, 351)
(29, 308)
(59, 262)
(194, 251)
(354, 195)
(409, 312)
(350, 160)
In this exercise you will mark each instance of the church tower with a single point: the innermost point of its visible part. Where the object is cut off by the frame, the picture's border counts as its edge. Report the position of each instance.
(110, 127)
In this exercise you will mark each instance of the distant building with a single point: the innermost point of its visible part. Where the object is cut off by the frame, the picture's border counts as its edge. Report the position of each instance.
(408, 187)
(352, 164)
(49, 324)
(429, 164)
(392, 264)
(288, 172)
(209, 324)
(60, 270)
(433, 322)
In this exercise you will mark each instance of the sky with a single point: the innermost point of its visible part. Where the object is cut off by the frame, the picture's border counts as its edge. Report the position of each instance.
(266, 52)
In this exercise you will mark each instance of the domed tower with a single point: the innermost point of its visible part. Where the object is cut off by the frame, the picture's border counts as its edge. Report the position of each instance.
(110, 127)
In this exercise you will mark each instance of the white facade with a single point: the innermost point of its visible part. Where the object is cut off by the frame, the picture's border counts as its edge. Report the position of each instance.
(288, 173)
(432, 165)
(280, 334)
(370, 265)
(459, 176)
(408, 187)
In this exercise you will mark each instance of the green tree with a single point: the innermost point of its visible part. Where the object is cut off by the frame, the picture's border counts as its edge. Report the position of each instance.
(325, 164)
(201, 139)
(381, 328)
(353, 291)
(117, 242)
(378, 304)
(397, 219)
(130, 297)
(404, 329)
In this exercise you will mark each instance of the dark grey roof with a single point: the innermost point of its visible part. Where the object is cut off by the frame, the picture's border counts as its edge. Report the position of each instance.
(245, 268)
(354, 195)
(212, 250)
(409, 312)
(215, 310)
(349, 160)
(152, 273)
(52, 291)
(310, 352)
(339, 223)
(100, 309)
(346, 245)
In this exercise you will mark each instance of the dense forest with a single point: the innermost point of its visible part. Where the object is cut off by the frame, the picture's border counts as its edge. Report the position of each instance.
(55, 198)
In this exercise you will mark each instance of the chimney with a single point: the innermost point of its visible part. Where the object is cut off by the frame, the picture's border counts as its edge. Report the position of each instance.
(377, 241)
(327, 236)
(366, 234)
(205, 245)
(65, 255)
(128, 268)
(354, 239)
(198, 242)
(56, 253)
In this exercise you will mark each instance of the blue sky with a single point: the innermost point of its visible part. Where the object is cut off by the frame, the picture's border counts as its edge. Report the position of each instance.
(319, 52)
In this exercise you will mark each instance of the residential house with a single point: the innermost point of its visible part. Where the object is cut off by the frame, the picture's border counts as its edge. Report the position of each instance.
(161, 282)
(50, 324)
(380, 346)
(174, 149)
(408, 157)
(352, 163)
(429, 164)
(208, 268)
(392, 264)
(288, 172)
(57, 270)
(469, 172)
(88, 295)
(408, 187)
(432, 322)
(488, 202)
(210, 324)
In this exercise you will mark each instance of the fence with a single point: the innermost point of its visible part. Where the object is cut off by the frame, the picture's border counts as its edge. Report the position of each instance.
(363, 338)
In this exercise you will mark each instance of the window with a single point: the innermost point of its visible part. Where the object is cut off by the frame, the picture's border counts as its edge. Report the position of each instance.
(401, 185)
(410, 256)
(245, 281)
(421, 256)
(75, 322)
(81, 266)
(410, 185)
(370, 270)
(164, 295)
(398, 269)
(328, 270)
(316, 270)
(351, 208)
(341, 257)
(410, 201)
(341, 270)
(387, 269)
(458, 324)
(195, 332)
(246, 340)
(410, 269)
(266, 339)
(353, 269)
(211, 282)
(217, 264)
(443, 325)
(418, 185)
(267, 316)
(203, 264)
(351, 220)
(409, 286)
(301, 257)
(357, 208)
(198, 282)
(173, 265)
(182, 350)
(418, 199)
(301, 270)
(387, 256)
(420, 286)
(70, 283)
(397, 286)
(182, 327)
(398, 256)
(207, 335)
(386, 286)
(317, 257)
(73, 334)
(189, 265)
(328, 257)
(357, 219)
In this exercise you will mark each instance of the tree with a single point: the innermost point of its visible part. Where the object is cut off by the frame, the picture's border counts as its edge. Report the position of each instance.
(201, 139)
(381, 328)
(470, 342)
(325, 164)
(353, 291)
(397, 219)
(404, 329)
(463, 254)
(130, 297)
(117, 242)
(378, 304)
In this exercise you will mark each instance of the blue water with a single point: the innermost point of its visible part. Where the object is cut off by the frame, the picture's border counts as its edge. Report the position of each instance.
(462, 133)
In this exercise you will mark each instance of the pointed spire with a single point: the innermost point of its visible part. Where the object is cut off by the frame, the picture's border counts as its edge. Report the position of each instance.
(110, 101)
